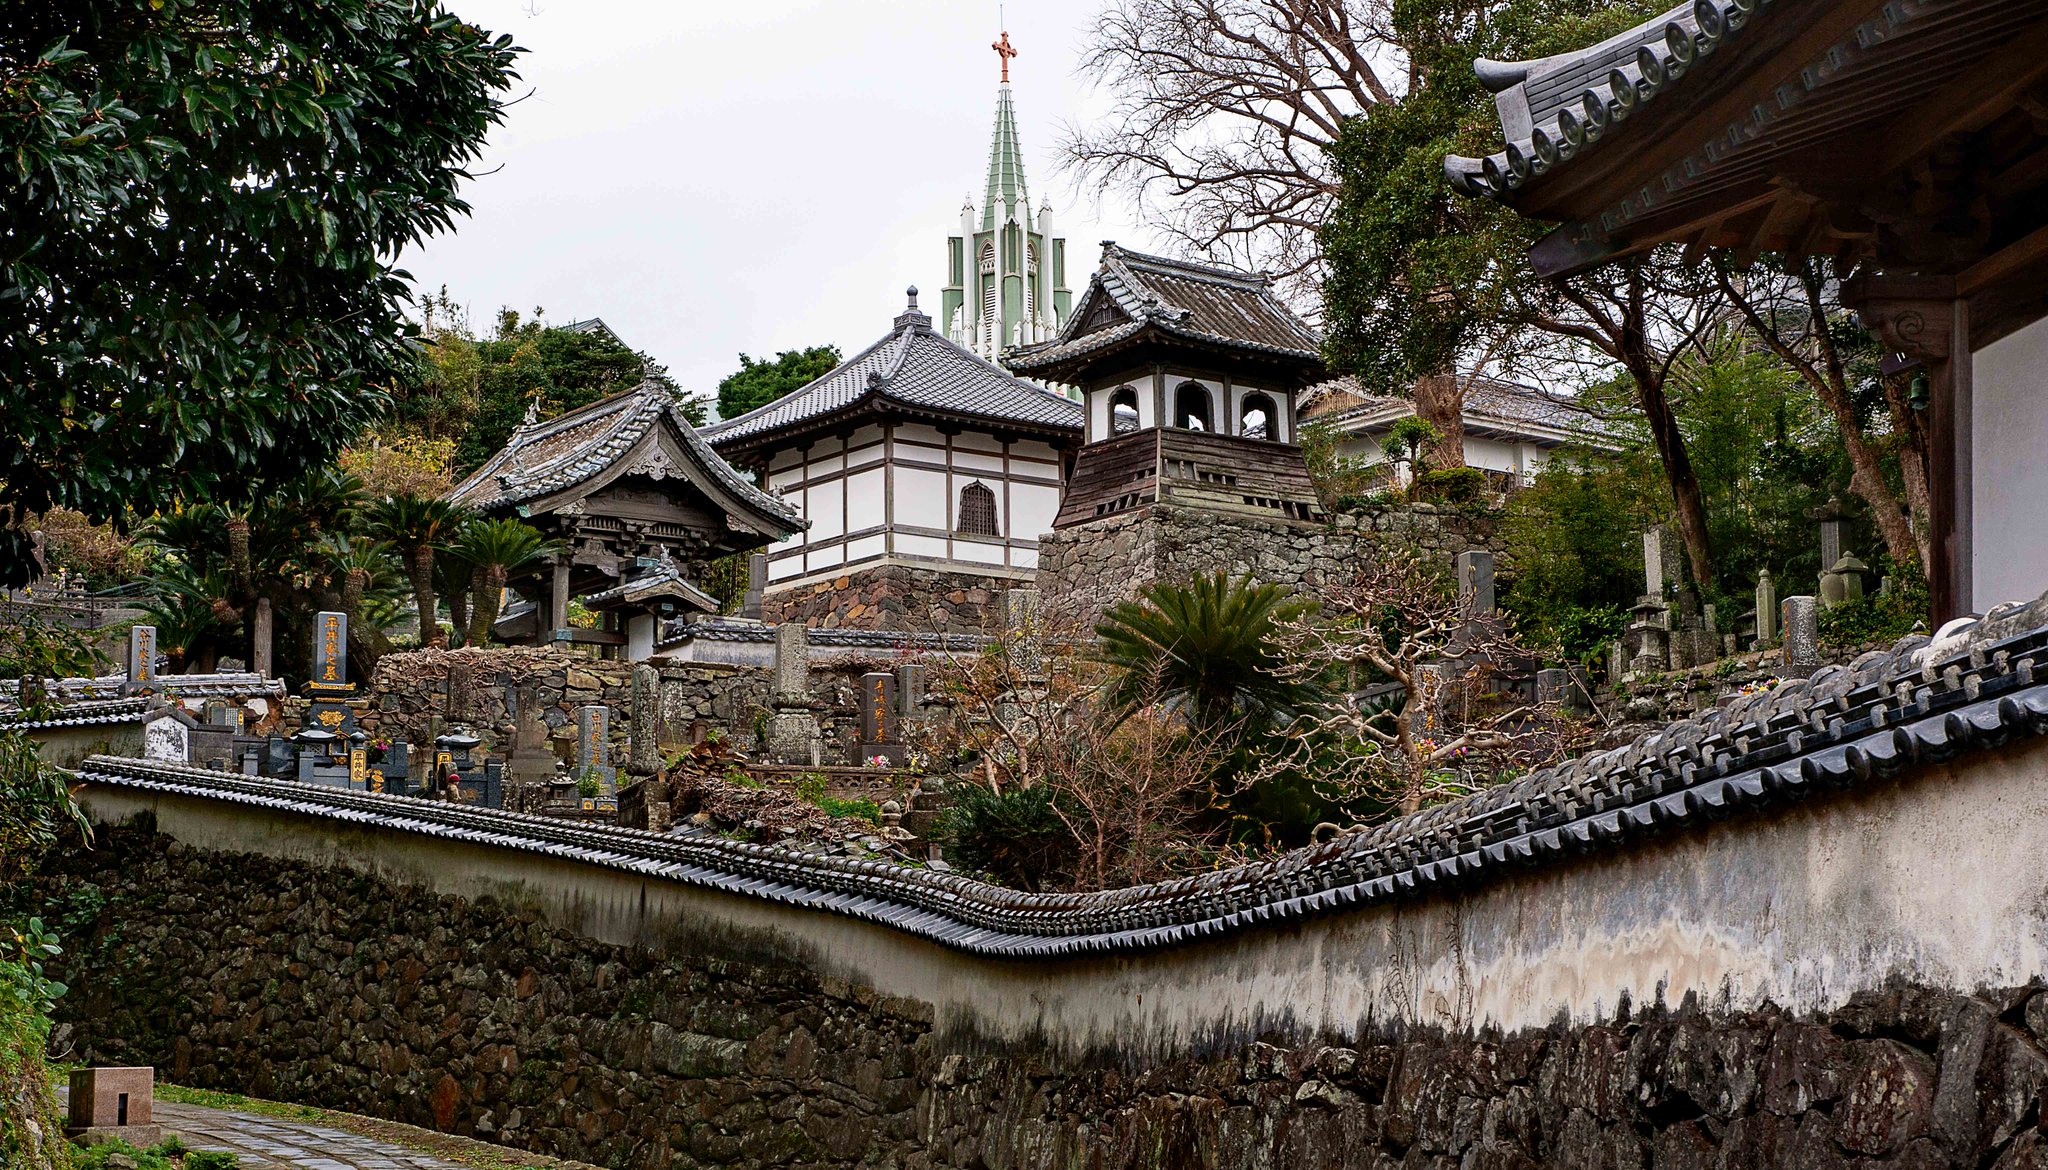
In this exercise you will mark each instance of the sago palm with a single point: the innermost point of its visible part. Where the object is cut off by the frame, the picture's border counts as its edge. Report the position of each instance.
(1209, 648)
(496, 549)
(418, 527)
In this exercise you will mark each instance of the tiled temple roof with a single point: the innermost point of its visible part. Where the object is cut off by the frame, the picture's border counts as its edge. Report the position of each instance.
(93, 713)
(916, 368)
(1491, 404)
(1845, 728)
(1132, 291)
(718, 630)
(543, 458)
(1555, 109)
(227, 685)
(664, 580)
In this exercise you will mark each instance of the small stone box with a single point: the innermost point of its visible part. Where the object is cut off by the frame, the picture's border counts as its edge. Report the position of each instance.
(109, 1103)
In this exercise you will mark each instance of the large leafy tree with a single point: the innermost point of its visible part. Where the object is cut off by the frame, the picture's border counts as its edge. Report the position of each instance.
(203, 201)
(757, 383)
(475, 390)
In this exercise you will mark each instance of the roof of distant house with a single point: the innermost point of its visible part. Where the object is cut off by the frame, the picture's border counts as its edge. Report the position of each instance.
(1132, 293)
(93, 713)
(222, 685)
(911, 371)
(545, 458)
(1493, 407)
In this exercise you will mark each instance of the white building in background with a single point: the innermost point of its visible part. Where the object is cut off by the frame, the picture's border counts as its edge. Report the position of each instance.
(1511, 430)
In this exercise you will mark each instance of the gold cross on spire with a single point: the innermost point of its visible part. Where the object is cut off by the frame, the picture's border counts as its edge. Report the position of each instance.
(1003, 50)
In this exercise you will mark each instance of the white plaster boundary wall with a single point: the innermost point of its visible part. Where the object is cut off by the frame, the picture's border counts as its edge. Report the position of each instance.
(1937, 877)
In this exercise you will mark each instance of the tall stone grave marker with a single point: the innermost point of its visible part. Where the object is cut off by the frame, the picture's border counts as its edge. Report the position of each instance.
(1801, 616)
(793, 735)
(330, 649)
(1020, 626)
(1834, 525)
(594, 759)
(910, 689)
(757, 584)
(1766, 608)
(645, 757)
(880, 735)
(1475, 582)
(141, 658)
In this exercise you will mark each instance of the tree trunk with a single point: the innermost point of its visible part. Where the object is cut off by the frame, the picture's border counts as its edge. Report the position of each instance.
(422, 561)
(260, 636)
(1440, 402)
(485, 604)
(1912, 439)
(1690, 509)
(458, 614)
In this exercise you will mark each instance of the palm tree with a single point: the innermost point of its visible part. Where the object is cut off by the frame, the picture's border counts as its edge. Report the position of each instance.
(1207, 648)
(190, 616)
(497, 549)
(418, 526)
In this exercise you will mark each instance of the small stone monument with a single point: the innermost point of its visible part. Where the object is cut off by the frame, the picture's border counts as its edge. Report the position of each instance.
(113, 1103)
(1020, 626)
(1801, 616)
(910, 689)
(1551, 685)
(644, 742)
(330, 650)
(594, 759)
(530, 769)
(880, 737)
(141, 659)
(1843, 581)
(793, 735)
(757, 584)
(1475, 582)
(1766, 608)
(1833, 518)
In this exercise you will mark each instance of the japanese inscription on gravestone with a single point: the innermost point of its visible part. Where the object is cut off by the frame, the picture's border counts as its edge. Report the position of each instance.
(878, 707)
(594, 754)
(330, 649)
(141, 654)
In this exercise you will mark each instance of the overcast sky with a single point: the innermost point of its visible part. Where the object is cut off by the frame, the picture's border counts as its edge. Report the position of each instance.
(712, 178)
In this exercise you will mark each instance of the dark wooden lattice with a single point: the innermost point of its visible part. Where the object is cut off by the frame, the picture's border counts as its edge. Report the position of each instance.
(977, 511)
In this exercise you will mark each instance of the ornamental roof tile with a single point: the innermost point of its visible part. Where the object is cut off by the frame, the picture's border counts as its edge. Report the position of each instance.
(1493, 404)
(728, 630)
(543, 458)
(1198, 302)
(663, 580)
(1846, 729)
(93, 713)
(1555, 109)
(912, 366)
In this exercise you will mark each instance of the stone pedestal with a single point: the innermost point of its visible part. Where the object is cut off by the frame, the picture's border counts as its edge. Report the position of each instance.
(794, 738)
(110, 1103)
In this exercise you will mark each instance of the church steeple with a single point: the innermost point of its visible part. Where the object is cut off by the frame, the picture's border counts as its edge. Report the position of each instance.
(1006, 277)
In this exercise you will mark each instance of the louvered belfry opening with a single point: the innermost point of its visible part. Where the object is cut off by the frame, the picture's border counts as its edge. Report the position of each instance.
(977, 511)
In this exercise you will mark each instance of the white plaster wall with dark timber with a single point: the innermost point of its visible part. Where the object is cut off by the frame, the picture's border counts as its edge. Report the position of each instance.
(2009, 480)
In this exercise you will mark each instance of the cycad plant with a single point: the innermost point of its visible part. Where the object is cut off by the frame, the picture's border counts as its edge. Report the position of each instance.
(1209, 649)
(495, 550)
(418, 527)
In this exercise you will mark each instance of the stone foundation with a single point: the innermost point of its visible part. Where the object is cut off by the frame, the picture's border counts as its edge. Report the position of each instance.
(895, 597)
(1085, 569)
(332, 987)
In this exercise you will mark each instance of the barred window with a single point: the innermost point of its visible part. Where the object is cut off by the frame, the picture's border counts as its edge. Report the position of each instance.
(977, 511)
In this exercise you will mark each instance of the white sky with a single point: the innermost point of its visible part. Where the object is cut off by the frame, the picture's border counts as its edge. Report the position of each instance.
(712, 178)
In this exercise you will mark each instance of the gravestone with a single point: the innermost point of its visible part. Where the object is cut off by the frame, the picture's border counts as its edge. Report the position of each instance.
(880, 736)
(1843, 581)
(1020, 627)
(1475, 582)
(330, 649)
(141, 658)
(757, 584)
(910, 689)
(1551, 685)
(792, 664)
(530, 769)
(1766, 608)
(167, 737)
(644, 741)
(1663, 562)
(594, 758)
(1801, 616)
(1834, 525)
(793, 734)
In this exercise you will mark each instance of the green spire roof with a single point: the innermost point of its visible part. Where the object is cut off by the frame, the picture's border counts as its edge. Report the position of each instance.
(1005, 166)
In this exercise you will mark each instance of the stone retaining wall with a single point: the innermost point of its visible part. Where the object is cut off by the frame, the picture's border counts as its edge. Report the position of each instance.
(338, 988)
(895, 597)
(477, 688)
(1085, 569)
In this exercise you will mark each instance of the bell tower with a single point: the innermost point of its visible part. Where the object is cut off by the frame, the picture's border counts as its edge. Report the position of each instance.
(1006, 273)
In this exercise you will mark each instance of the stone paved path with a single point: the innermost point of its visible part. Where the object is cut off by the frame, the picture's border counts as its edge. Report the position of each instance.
(274, 1143)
